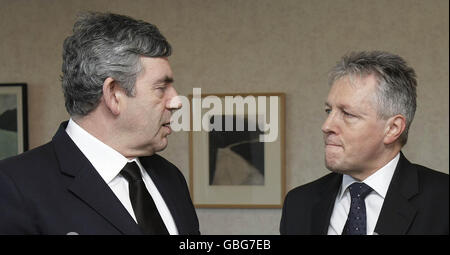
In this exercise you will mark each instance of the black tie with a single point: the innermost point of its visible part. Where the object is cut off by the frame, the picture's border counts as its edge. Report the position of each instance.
(356, 221)
(147, 215)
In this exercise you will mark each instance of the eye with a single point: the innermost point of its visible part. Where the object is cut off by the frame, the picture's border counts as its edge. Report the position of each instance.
(327, 111)
(346, 114)
(161, 88)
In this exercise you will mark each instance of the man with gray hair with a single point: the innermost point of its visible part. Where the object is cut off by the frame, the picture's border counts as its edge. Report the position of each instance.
(100, 173)
(373, 188)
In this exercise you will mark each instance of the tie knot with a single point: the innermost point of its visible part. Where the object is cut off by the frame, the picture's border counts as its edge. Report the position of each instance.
(131, 172)
(359, 190)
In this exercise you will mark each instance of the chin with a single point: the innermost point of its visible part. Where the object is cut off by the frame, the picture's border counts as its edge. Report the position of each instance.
(161, 146)
(333, 166)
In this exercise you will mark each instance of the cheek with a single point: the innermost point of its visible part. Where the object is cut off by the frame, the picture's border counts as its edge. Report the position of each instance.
(365, 140)
(154, 115)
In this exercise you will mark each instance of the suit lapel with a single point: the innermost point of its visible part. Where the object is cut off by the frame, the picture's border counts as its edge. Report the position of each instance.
(88, 185)
(397, 213)
(321, 212)
(92, 190)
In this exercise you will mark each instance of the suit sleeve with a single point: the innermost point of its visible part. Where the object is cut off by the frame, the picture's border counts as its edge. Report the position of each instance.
(284, 218)
(185, 188)
(14, 216)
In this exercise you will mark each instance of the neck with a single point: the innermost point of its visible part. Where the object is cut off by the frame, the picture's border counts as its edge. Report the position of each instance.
(102, 127)
(105, 128)
(382, 160)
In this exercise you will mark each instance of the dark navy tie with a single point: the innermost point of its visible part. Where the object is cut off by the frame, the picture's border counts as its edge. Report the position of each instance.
(356, 221)
(147, 215)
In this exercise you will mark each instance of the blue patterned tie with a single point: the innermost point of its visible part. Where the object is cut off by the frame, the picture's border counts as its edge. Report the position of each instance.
(356, 220)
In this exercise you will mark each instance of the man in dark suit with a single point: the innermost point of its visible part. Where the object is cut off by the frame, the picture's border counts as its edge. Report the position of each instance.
(100, 173)
(373, 188)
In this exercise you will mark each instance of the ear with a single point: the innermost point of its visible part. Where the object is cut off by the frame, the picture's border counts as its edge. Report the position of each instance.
(394, 128)
(112, 95)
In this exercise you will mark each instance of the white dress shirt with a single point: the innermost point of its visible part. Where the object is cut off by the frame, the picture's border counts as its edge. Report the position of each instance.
(108, 163)
(379, 182)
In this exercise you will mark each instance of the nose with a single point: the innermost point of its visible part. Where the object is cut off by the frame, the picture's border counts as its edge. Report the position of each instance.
(330, 124)
(174, 101)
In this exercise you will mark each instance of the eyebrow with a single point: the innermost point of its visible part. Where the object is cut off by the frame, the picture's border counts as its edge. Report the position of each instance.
(165, 80)
(341, 106)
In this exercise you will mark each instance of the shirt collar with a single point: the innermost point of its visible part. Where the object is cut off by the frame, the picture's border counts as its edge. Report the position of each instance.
(107, 161)
(378, 181)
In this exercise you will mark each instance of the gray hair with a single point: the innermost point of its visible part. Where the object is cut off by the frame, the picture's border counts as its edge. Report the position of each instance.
(105, 45)
(396, 90)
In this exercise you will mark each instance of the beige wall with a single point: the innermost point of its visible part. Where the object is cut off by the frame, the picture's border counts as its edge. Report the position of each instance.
(249, 46)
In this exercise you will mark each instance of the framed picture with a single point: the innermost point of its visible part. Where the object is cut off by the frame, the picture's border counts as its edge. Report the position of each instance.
(237, 150)
(13, 119)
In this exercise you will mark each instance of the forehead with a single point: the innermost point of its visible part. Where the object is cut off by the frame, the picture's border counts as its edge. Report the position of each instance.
(154, 69)
(353, 90)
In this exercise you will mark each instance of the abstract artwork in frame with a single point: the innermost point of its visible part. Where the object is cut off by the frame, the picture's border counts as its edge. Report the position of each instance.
(230, 165)
(13, 119)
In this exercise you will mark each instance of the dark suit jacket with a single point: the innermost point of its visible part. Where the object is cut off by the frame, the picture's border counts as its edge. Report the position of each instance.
(416, 203)
(54, 189)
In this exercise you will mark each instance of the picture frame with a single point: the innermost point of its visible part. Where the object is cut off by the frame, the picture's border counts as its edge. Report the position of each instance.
(13, 119)
(235, 169)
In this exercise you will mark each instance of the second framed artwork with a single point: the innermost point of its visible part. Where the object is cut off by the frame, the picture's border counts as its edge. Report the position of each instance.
(13, 119)
(237, 150)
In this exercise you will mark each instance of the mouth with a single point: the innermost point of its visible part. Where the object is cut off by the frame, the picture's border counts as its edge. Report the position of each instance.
(332, 144)
(167, 125)
(332, 148)
(329, 141)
